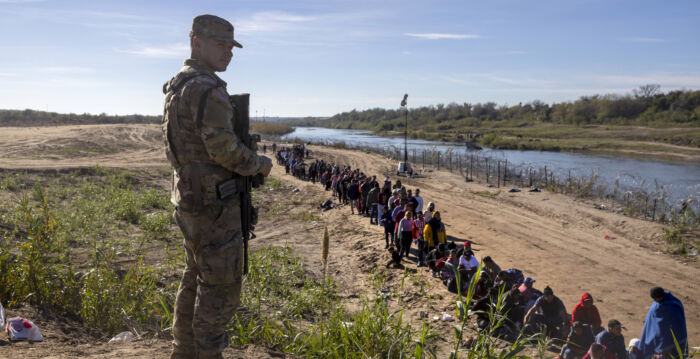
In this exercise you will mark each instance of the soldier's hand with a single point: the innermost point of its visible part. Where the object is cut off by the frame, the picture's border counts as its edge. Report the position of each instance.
(267, 167)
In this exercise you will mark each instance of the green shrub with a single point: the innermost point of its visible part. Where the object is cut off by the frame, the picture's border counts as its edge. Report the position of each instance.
(37, 268)
(288, 310)
(156, 225)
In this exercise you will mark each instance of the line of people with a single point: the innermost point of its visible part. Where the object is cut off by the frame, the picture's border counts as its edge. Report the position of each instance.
(406, 222)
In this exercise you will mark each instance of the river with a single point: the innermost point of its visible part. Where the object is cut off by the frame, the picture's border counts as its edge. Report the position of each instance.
(679, 180)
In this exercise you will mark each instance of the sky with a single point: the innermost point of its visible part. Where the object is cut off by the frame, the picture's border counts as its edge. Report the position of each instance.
(319, 58)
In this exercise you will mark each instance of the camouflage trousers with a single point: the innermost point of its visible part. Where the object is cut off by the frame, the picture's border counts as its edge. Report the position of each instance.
(210, 288)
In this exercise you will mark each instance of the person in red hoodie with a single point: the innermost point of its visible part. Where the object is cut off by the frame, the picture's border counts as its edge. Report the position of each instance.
(586, 312)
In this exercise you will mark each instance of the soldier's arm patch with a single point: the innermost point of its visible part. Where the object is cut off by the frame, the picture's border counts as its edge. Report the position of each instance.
(219, 95)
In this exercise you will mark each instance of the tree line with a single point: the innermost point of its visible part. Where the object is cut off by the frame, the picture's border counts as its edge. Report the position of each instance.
(21, 118)
(645, 106)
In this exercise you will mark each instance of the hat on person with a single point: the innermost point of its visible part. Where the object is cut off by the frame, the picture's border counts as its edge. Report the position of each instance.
(213, 27)
(529, 280)
(387, 179)
(634, 342)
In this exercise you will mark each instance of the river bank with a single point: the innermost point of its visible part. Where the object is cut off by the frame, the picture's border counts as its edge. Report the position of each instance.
(681, 144)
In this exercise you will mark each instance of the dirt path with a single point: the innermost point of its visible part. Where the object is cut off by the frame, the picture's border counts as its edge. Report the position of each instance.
(554, 238)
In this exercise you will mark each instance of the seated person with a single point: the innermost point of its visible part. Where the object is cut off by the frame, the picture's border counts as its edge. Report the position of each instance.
(481, 307)
(468, 265)
(633, 349)
(434, 256)
(501, 281)
(513, 311)
(492, 269)
(529, 293)
(449, 265)
(578, 342)
(548, 311)
(587, 313)
(483, 286)
(597, 351)
(613, 340)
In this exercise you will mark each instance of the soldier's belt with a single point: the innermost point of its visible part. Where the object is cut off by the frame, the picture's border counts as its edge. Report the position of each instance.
(228, 188)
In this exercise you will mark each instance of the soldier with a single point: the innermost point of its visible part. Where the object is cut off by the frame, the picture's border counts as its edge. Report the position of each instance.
(206, 153)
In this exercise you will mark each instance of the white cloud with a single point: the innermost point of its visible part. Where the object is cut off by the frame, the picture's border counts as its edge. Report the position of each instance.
(271, 22)
(443, 36)
(173, 50)
(643, 39)
(8, 74)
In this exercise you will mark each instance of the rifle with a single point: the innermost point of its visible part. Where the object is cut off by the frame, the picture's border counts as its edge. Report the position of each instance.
(249, 214)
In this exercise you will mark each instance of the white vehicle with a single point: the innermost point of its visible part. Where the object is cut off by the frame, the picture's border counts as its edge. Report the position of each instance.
(404, 168)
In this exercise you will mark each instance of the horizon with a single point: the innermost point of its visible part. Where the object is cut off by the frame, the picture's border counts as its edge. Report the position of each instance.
(318, 59)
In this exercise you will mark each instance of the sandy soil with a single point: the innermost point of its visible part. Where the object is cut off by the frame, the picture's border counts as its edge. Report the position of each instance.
(553, 238)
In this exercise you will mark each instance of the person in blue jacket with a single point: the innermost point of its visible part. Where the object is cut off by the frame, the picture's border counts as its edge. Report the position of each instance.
(665, 319)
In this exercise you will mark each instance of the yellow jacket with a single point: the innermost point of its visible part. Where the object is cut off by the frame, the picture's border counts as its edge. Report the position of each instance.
(428, 235)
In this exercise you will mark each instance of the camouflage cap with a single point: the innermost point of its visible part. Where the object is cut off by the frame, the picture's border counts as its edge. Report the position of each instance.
(213, 27)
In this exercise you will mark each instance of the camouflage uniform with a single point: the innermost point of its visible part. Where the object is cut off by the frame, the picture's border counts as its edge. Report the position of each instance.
(204, 151)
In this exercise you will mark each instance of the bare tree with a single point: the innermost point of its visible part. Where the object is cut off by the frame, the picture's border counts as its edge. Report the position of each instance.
(648, 90)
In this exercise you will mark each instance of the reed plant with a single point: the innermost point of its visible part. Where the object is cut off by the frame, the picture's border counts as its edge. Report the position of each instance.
(284, 307)
(70, 249)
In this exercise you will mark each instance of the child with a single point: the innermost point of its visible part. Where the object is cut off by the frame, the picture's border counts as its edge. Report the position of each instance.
(395, 258)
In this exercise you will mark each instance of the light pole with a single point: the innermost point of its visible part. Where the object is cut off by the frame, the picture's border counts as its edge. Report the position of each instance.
(405, 129)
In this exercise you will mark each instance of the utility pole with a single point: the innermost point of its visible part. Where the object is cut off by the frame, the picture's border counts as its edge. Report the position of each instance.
(405, 134)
